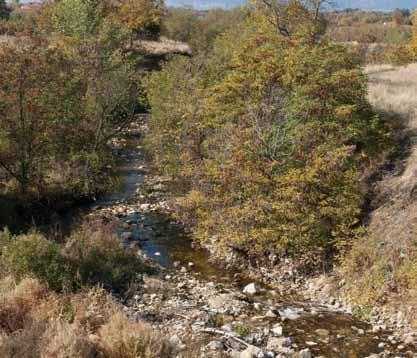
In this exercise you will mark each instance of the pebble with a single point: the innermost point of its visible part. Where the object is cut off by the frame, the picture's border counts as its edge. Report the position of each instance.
(277, 331)
(175, 340)
(250, 352)
(305, 353)
(215, 346)
(250, 289)
(270, 314)
(275, 343)
(323, 332)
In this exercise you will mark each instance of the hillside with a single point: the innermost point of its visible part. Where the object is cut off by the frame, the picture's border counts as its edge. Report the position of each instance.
(381, 268)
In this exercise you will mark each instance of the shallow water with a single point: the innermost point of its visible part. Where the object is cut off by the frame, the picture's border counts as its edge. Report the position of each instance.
(167, 243)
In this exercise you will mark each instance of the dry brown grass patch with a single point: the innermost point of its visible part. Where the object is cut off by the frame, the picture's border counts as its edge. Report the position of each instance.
(17, 301)
(382, 267)
(123, 338)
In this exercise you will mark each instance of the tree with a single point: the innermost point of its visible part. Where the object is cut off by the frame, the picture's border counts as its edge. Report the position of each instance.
(142, 17)
(62, 97)
(398, 18)
(268, 133)
(4, 10)
(34, 98)
(412, 47)
(294, 17)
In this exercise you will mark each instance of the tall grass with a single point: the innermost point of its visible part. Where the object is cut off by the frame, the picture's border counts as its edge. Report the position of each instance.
(382, 266)
(38, 323)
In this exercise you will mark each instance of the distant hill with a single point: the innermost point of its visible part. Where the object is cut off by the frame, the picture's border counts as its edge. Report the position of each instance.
(385, 5)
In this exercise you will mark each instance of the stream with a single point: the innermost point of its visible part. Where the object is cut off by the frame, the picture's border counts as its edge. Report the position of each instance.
(193, 290)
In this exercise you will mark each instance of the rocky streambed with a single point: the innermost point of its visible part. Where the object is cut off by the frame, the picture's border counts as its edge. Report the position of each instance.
(212, 311)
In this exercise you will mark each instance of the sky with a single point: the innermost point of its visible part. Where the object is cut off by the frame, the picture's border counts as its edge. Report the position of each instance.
(384, 5)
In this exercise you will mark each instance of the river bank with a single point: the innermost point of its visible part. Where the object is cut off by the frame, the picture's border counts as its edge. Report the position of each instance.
(213, 311)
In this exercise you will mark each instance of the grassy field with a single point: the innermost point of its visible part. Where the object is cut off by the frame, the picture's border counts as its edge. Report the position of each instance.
(382, 266)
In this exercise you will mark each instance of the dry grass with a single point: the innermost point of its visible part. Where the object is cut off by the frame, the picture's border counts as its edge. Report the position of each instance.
(395, 91)
(17, 302)
(64, 340)
(38, 323)
(123, 338)
(382, 267)
(163, 47)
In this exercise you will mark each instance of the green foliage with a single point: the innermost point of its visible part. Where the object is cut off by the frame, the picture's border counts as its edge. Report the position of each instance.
(75, 18)
(269, 133)
(100, 258)
(32, 254)
(63, 95)
(4, 10)
(91, 256)
(143, 17)
(242, 330)
(200, 30)
(215, 320)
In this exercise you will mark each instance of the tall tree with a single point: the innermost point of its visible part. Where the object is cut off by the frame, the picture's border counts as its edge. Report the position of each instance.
(35, 98)
(269, 133)
(4, 10)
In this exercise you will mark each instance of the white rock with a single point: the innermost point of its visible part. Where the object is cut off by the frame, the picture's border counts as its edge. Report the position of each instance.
(275, 343)
(322, 332)
(227, 327)
(290, 313)
(378, 328)
(215, 346)
(305, 353)
(250, 289)
(250, 352)
(175, 340)
(277, 331)
(270, 314)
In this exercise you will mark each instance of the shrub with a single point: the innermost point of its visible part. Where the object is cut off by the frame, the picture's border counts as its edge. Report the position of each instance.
(123, 338)
(99, 257)
(17, 302)
(242, 330)
(24, 343)
(92, 255)
(63, 340)
(91, 308)
(37, 323)
(32, 254)
(272, 142)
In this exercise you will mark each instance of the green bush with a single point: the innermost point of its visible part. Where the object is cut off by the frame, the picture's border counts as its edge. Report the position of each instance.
(92, 256)
(270, 135)
(99, 257)
(32, 254)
